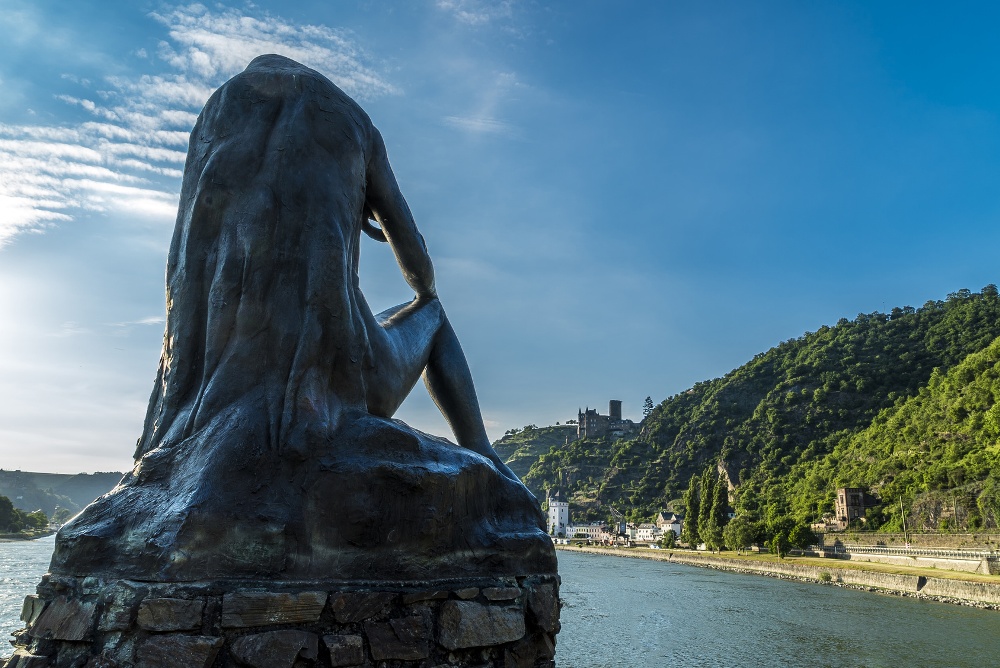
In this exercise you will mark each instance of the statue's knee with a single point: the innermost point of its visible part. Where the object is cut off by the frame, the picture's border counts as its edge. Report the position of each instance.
(432, 304)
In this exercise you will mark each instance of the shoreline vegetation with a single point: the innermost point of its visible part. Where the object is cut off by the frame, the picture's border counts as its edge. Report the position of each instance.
(955, 587)
(25, 535)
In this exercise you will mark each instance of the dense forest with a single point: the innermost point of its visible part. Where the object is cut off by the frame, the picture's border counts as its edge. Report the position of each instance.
(938, 453)
(904, 403)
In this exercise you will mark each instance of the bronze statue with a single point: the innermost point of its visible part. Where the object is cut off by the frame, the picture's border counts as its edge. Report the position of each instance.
(268, 448)
(284, 176)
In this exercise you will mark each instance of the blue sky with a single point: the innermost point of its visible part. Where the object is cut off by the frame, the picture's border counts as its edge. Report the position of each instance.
(621, 199)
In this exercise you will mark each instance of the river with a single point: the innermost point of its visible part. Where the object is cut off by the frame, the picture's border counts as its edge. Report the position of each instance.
(646, 614)
(22, 564)
(634, 612)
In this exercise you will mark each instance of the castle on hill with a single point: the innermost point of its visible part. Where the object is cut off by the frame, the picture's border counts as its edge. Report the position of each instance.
(591, 424)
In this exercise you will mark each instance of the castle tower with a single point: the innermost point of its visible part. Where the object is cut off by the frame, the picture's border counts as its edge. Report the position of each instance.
(558, 515)
(615, 410)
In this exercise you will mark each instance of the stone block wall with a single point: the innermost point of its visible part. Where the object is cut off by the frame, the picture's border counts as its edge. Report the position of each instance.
(963, 590)
(964, 565)
(89, 623)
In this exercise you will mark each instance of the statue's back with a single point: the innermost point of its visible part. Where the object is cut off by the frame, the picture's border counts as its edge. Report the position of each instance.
(262, 270)
(259, 456)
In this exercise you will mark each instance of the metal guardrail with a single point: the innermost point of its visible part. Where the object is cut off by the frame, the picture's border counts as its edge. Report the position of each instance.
(956, 553)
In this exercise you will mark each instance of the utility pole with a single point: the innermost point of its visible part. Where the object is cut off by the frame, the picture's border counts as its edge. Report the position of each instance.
(903, 517)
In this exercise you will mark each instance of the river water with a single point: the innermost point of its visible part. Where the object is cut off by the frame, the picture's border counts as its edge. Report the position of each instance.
(22, 564)
(646, 614)
(634, 612)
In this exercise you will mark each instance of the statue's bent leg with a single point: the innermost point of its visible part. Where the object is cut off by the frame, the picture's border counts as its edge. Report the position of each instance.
(449, 382)
(401, 339)
(417, 338)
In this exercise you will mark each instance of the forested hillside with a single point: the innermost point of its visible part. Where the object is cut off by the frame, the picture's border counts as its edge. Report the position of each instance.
(786, 425)
(938, 452)
(520, 448)
(47, 491)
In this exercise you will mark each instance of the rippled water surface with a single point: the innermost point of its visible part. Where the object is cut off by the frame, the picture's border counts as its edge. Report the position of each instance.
(22, 564)
(633, 612)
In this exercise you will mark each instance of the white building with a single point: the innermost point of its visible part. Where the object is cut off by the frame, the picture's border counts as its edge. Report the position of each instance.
(592, 531)
(647, 533)
(558, 516)
(669, 522)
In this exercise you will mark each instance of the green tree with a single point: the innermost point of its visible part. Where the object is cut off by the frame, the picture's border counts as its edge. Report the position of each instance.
(11, 519)
(780, 529)
(712, 536)
(720, 503)
(36, 520)
(669, 540)
(801, 536)
(647, 407)
(689, 529)
(705, 498)
(779, 543)
(740, 533)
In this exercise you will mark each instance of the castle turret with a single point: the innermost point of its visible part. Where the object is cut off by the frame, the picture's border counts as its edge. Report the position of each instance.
(558, 515)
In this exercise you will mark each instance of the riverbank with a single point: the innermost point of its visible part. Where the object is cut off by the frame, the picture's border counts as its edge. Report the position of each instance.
(956, 587)
(13, 537)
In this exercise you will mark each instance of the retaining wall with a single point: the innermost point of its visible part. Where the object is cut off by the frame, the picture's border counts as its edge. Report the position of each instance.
(981, 594)
(960, 589)
(982, 566)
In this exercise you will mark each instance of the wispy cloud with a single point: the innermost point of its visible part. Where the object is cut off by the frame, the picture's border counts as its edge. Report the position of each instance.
(210, 46)
(125, 329)
(131, 155)
(478, 124)
(477, 12)
(71, 329)
(484, 118)
(150, 320)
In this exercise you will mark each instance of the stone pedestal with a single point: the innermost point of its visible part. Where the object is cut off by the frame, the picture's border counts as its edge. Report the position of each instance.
(208, 562)
(94, 623)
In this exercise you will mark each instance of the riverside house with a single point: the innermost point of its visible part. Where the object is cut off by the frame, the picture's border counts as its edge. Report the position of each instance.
(669, 522)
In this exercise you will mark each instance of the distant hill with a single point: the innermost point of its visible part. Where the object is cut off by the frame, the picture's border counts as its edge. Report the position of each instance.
(46, 491)
(789, 415)
(521, 448)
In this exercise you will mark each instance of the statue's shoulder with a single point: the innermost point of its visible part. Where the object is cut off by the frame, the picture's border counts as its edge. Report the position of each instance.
(277, 79)
(277, 75)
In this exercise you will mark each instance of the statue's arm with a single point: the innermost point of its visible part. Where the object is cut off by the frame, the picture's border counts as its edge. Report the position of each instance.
(392, 213)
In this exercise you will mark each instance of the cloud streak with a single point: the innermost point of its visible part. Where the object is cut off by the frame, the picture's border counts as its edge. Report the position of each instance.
(477, 12)
(484, 119)
(478, 124)
(130, 156)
